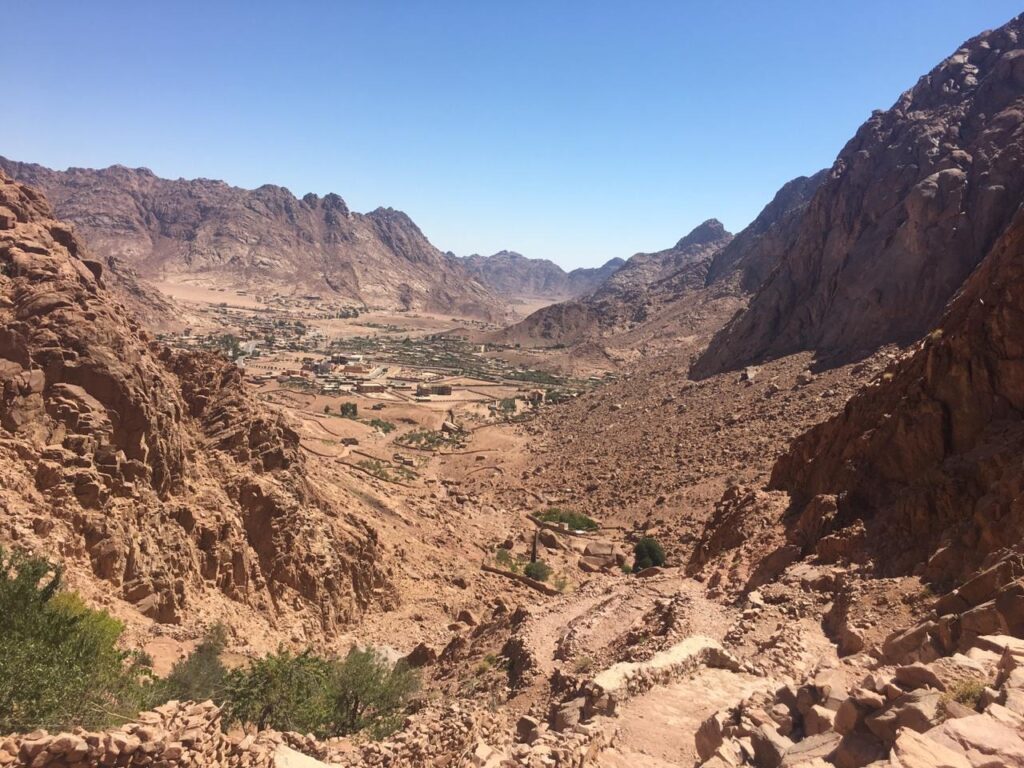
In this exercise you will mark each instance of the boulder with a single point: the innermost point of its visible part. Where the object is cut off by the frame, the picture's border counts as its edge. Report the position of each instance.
(918, 710)
(769, 746)
(818, 720)
(857, 750)
(820, 747)
(914, 750)
(709, 736)
(985, 741)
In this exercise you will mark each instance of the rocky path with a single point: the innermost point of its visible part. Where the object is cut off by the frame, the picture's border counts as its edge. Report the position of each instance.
(657, 728)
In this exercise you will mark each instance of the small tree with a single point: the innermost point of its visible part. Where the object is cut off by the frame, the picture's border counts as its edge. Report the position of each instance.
(201, 675)
(282, 690)
(369, 693)
(349, 410)
(647, 553)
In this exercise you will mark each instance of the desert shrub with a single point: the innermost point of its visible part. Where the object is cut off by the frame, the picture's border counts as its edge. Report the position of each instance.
(59, 661)
(583, 665)
(370, 694)
(646, 553)
(503, 557)
(576, 521)
(326, 697)
(289, 692)
(538, 570)
(967, 692)
(201, 675)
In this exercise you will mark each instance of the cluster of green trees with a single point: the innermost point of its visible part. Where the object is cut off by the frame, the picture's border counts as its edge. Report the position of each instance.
(61, 666)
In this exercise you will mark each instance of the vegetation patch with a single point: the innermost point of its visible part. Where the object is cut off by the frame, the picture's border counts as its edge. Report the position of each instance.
(647, 553)
(382, 471)
(60, 665)
(326, 697)
(576, 521)
(381, 425)
(538, 570)
(428, 439)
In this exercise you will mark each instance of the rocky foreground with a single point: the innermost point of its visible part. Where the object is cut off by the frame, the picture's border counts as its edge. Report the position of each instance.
(169, 492)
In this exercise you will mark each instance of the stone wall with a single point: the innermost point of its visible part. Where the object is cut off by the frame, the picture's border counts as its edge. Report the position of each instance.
(184, 735)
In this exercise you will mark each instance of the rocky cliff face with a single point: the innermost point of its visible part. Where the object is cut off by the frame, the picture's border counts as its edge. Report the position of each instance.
(924, 467)
(264, 238)
(154, 471)
(747, 261)
(908, 210)
(512, 275)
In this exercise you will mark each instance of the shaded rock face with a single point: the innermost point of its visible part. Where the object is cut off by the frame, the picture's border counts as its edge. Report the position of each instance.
(910, 207)
(510, 274)
(154, 470)
(264, 238)
(752, 255)
(929, 457)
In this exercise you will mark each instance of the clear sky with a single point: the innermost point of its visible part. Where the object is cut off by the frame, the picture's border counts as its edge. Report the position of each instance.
(575, 131)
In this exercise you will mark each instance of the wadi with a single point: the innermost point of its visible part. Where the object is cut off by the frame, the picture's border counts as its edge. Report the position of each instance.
(286, 484)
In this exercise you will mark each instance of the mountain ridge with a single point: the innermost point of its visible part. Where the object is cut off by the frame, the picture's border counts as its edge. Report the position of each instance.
(264, 238)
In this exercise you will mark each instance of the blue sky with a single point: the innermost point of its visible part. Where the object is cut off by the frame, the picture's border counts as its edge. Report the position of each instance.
(575, 131)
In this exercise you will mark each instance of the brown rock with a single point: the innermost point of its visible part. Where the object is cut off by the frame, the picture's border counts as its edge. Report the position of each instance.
(913, 750)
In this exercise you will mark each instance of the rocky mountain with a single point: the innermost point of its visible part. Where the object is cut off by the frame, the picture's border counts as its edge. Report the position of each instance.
(264, 238)
(924, 467)
(512, 275)
(910, 207)
(680, 296)
(168, 491)
(623, 299)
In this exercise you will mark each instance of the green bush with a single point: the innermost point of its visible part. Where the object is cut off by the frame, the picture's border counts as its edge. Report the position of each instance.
(349, 410)
(382, 425)
(646, 553)
(59, 661)
(310, 694)
(538, 570)
(370, 694)
(285, 691)
(576, 521)
(201, 675)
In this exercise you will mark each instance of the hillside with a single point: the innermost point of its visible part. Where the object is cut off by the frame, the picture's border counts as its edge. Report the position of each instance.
(512, 275)
(264, 239)
(926, 464)
(169, 492)
(910, 207)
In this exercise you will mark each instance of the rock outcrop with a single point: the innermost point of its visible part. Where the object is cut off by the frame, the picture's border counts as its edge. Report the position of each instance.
(263, 239)
(912, 204)
(153, 474)
(928, 459)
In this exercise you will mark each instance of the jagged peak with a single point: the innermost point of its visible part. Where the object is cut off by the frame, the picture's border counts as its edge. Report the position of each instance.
(707, 232)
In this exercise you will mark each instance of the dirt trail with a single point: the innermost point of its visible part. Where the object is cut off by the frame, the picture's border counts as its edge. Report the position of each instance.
(657, 728)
